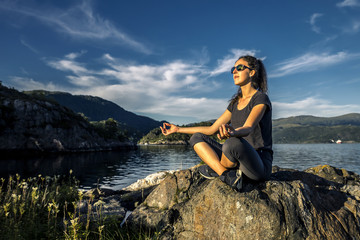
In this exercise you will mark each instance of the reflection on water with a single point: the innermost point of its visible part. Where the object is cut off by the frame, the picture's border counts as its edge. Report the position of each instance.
(114, 170)
(119, 169)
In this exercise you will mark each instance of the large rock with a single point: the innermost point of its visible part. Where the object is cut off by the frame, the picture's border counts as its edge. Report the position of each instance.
(318, 203)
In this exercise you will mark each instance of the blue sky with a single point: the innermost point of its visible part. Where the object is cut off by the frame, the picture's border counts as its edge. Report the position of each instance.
(170, 60)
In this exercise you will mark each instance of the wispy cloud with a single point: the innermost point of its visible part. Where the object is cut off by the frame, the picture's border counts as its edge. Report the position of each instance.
(25, 83)
(352, 28)
(349, 3)
(313, 20)
(31, 48)
(80, 75)
(68, 65)
(310, 62)
(226, 63)
(75, 55)
(312, 106)
(356, 26)
(78, 21)
(323, 43)
(352, 81)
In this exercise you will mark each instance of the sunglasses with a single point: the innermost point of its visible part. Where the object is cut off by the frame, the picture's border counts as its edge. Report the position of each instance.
(239, 68)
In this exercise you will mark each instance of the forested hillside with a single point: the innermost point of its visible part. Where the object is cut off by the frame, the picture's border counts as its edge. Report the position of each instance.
(310, 129)
(29, 124)
(98, 109)
(300, 129)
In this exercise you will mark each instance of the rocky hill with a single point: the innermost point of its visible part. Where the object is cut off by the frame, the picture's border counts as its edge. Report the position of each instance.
(97, 109)
(30, 124)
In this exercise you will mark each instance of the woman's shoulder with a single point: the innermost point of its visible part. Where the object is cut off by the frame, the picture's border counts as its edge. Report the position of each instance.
(231, 105)
(261, 98)
(260, 95)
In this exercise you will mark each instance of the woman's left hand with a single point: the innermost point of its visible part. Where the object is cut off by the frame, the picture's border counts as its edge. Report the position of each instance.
(168, 128)
(225, 131)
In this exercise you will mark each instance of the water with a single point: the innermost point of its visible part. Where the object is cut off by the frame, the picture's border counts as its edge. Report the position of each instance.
(302, 156)
(116, 170)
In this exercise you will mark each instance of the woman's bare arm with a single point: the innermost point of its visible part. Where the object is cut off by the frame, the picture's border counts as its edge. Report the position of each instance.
(168, 128)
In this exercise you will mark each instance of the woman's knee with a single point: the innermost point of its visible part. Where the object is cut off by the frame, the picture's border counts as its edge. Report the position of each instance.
(232, 146)
(196, 138)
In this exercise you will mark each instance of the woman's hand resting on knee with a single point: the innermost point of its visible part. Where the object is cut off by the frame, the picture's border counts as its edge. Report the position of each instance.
(225, 131)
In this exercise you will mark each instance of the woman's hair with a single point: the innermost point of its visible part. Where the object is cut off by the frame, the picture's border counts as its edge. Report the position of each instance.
(258, 80)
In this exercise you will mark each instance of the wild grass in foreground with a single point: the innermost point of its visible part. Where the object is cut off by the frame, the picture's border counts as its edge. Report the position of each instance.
(49, 208)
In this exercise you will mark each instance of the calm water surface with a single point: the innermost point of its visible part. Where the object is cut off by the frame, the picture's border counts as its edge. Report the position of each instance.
(116, 170)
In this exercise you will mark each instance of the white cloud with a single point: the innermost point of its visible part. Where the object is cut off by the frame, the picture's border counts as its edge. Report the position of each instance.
(78, 21)
(148, 101)
(313, 20)
(75, 55)
(163, 89)
(312, 106)
(310, 62)
(82, 76)
(349, 3)
(176, 76)
(24, 83)
(68, 65)
(226, 63)
(84, 80)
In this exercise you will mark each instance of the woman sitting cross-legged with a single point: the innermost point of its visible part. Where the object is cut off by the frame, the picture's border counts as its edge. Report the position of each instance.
(245, 126)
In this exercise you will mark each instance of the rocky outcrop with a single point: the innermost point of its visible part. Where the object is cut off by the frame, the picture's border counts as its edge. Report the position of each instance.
(155, 137)
(165, 142)
(35, 125)
(318, 203)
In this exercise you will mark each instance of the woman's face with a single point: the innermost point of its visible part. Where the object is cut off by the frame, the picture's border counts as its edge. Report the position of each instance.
(242, 78)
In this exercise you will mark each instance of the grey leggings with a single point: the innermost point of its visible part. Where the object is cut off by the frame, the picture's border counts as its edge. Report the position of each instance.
(256, 165)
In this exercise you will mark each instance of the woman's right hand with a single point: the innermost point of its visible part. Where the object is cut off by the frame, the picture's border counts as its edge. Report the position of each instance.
(168, 129)
(225, 131)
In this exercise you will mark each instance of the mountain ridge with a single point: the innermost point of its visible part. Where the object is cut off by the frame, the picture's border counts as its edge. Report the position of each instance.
(312, 129)
(349, 118)
(295, 129)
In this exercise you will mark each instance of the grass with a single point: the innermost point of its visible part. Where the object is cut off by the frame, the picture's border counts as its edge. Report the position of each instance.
(49, 208)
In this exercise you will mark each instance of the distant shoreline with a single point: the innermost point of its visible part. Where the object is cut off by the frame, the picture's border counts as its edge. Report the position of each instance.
(174, 144)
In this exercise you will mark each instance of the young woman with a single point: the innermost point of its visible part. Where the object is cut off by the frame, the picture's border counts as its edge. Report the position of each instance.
(245, 125)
